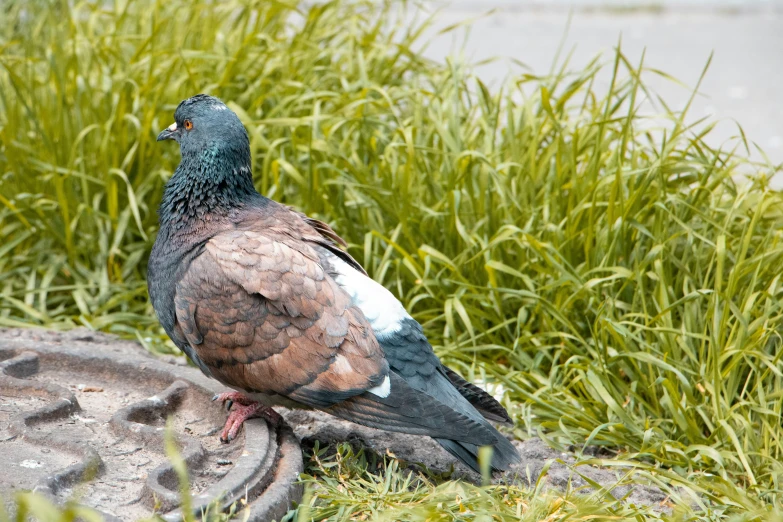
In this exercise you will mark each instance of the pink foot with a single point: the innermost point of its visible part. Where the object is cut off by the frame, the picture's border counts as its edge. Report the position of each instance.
(244, 408)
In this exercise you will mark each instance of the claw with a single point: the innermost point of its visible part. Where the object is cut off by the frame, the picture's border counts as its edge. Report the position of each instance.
(243, 408)
(238, 417)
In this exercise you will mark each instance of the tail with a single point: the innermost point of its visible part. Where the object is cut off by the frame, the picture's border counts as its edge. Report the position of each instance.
(504, 454)
(442, 414)
(412, 358)
(485, 403)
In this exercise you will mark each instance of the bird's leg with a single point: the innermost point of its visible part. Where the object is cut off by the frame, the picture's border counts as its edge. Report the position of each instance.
(244, 408)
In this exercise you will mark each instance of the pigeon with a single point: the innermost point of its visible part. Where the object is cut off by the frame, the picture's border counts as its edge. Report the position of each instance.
(269, 302)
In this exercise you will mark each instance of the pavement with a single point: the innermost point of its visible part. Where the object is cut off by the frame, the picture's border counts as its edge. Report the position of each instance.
(745, 38)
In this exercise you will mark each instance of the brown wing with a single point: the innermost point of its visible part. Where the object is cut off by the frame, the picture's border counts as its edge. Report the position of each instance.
(261, 313)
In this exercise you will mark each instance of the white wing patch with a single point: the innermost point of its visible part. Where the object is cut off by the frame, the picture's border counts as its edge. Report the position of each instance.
(383, 389)
(379, 306)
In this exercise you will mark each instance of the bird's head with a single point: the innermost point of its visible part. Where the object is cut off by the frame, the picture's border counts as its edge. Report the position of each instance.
(204, 123)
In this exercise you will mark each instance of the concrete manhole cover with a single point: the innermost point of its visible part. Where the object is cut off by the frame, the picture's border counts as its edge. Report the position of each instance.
(82, 416)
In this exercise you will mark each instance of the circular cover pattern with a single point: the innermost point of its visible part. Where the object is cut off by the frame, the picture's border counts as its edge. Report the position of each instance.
(82, 415)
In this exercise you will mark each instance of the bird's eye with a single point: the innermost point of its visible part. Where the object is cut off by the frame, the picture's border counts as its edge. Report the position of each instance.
(188, 124)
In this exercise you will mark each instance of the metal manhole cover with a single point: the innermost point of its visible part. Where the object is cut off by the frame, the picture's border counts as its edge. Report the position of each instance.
(82, 416)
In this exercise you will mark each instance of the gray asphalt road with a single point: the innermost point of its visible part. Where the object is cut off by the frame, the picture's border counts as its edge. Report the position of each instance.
(744, 83)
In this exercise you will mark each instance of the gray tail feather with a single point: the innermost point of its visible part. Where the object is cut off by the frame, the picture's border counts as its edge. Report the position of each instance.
(503, 453)
(485, 403)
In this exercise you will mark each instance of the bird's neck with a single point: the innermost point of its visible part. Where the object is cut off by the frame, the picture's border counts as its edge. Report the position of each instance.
(206, 186)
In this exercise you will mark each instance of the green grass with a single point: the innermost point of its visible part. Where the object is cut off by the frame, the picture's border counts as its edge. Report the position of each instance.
(621, 281)
(346, 485)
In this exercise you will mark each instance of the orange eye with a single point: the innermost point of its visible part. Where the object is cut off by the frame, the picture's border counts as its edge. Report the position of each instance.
(188, 124)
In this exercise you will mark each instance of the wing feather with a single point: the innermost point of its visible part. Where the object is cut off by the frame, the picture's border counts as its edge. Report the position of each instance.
(260, 312)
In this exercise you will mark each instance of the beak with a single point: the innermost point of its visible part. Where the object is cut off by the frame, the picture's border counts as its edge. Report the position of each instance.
(169, 133)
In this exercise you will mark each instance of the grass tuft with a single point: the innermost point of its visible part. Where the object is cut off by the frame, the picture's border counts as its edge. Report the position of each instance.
(343, 484)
